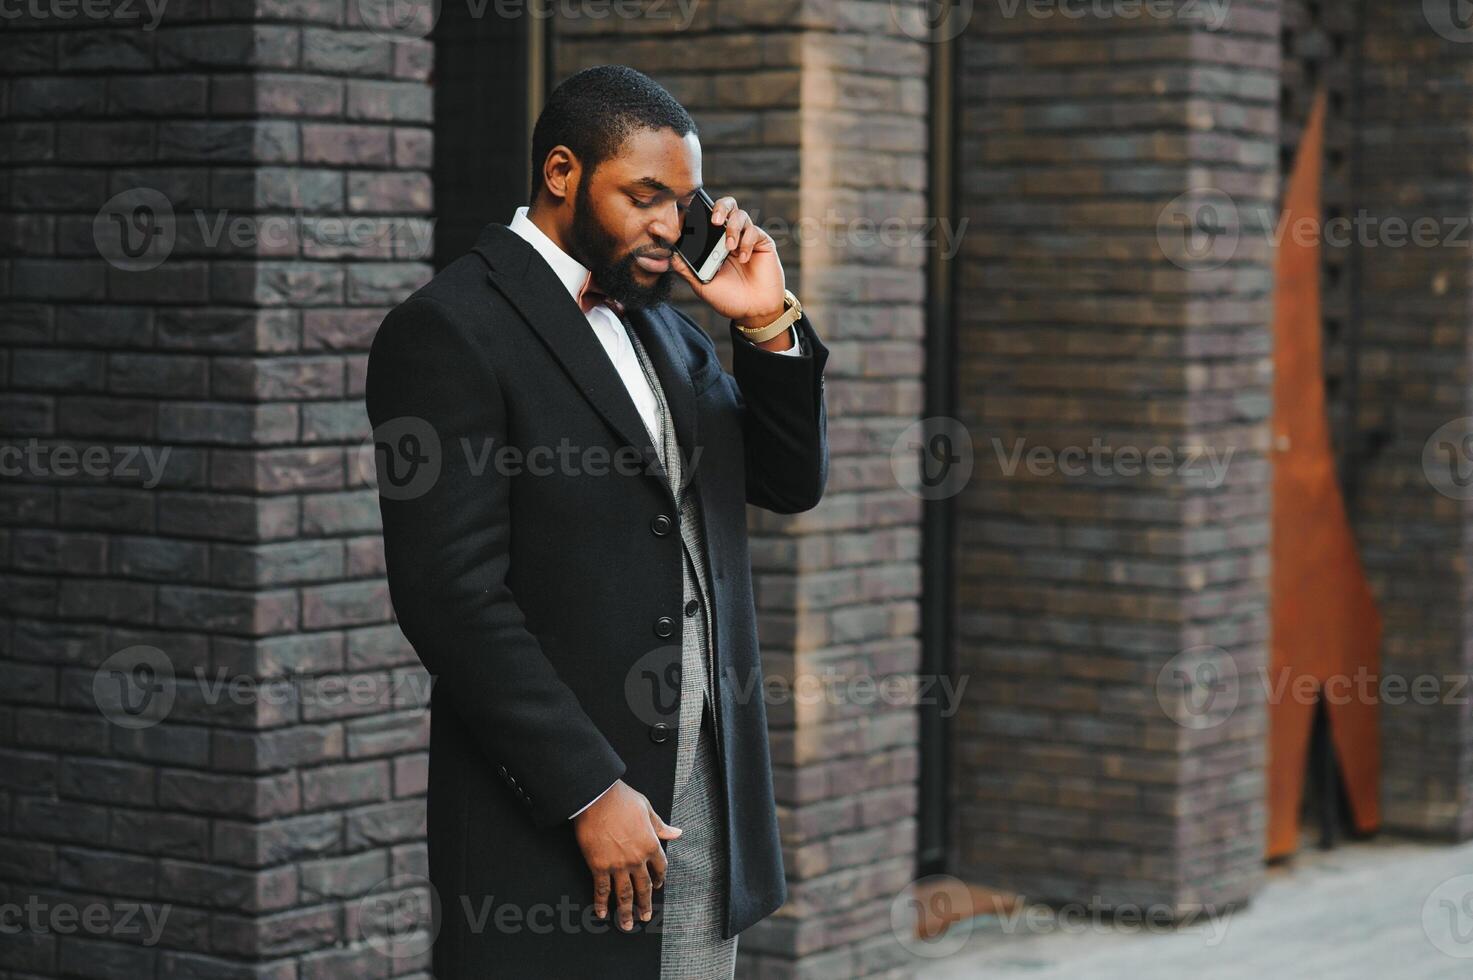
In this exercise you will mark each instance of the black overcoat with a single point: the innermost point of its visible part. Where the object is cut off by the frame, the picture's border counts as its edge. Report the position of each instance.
(534, 564)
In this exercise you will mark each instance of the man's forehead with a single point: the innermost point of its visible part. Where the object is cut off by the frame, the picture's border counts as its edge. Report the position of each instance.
(659, 160)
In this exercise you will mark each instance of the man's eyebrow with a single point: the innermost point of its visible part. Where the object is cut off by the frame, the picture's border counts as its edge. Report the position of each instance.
(659, 185)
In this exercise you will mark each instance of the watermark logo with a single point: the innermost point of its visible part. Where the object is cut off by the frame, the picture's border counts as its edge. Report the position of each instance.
(940, 20)
(652, 686)
(933, 917)
(1451, 19)
(139, 688)
(135, 231)
(835, 687)
(931, 20)
(403, 458)
(138, 230)
(933, 458)
(400, 917)
(1447, 459)
(412, 20)
(1203, 229)
(1199, 687)
(1199, 230)
(399, 20)
(1447, 917)
(135, 688)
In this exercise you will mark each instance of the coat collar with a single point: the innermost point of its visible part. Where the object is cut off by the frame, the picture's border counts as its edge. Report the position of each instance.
(539, 294)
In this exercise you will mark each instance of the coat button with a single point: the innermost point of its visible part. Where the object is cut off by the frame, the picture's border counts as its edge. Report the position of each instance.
(664, 627)
(659, 732)
(692, 606)
(661, 525)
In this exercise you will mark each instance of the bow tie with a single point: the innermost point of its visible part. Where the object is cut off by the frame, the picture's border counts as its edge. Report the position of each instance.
(590, 296)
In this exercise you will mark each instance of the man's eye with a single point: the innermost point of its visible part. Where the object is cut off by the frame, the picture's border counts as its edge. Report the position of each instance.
(643, 205)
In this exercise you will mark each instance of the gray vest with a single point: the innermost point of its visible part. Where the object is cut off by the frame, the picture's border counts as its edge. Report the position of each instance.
(697, 663)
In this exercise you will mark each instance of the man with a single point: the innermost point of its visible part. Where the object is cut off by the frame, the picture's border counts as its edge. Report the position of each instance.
(564, 468)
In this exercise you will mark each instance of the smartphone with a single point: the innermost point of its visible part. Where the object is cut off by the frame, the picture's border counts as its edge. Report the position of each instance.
(702, 245)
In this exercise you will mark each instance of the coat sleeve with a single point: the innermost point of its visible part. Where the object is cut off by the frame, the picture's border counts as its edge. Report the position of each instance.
(784, 420)
(447, 531)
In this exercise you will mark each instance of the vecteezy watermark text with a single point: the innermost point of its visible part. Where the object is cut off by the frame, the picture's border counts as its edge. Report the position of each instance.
(138, 229)
(937, 21)
(405, 457)
(38, 916)
(44, 461)
(1101, 460)
(947, 912)
(409, 20)
(128, 13)
(138, 688)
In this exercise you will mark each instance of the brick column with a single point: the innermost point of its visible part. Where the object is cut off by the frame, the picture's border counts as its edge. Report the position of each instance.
(1107, 333)
(815, 119)
(271, 161)
(1413, 517)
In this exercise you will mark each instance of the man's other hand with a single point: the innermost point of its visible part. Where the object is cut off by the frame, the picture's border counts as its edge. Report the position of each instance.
(620, 835)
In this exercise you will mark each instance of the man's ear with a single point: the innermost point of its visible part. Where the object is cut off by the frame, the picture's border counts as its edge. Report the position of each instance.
(561, 173)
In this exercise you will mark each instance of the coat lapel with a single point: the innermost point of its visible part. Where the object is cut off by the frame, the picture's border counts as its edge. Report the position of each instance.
(657, 335)
(529, 284)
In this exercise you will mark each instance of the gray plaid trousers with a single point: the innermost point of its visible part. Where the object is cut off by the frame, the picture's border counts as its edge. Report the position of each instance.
(691, 945)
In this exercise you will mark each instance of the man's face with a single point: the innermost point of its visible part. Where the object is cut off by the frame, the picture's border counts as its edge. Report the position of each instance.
(627, 214)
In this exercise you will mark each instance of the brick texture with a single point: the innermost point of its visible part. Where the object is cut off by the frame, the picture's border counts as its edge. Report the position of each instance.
(290, 145)
(1414, 382)
(1090, 335)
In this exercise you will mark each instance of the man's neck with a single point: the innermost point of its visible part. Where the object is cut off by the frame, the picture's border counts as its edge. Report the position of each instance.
(545, 224)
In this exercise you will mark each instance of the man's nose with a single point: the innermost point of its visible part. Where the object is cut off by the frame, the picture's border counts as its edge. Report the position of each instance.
(665, 228)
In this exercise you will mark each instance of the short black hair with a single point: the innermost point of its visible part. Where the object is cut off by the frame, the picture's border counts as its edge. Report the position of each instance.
(594, 111)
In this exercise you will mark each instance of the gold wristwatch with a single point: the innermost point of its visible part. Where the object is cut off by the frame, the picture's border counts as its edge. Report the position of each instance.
(793, 310)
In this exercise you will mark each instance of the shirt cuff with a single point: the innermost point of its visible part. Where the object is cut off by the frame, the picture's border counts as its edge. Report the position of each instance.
(594, 800)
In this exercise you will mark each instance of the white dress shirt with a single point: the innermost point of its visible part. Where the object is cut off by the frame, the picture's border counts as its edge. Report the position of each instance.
(605, 322)
(610, 333)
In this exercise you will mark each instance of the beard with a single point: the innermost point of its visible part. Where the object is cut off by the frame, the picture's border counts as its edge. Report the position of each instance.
(614, 273)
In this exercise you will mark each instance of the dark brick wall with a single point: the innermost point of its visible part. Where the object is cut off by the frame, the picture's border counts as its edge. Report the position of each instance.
(257, 821)
(1084, 320)
(1413, 517)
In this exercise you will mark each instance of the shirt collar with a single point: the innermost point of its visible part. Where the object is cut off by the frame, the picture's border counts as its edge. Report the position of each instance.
(570, 272)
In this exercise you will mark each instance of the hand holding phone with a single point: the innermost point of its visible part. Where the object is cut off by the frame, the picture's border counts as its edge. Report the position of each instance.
(749, 288)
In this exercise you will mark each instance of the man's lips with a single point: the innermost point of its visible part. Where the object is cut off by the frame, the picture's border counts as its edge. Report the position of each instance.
(653, 263)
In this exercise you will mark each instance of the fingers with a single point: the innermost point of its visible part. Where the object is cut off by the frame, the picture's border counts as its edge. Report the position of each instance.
(662, 829)
(630, 890)
(657, 865)
(643, 888)
(742, 234)
(624, 889)
(601, 894)
(752, 238)
(722, 207)
(737, 223)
